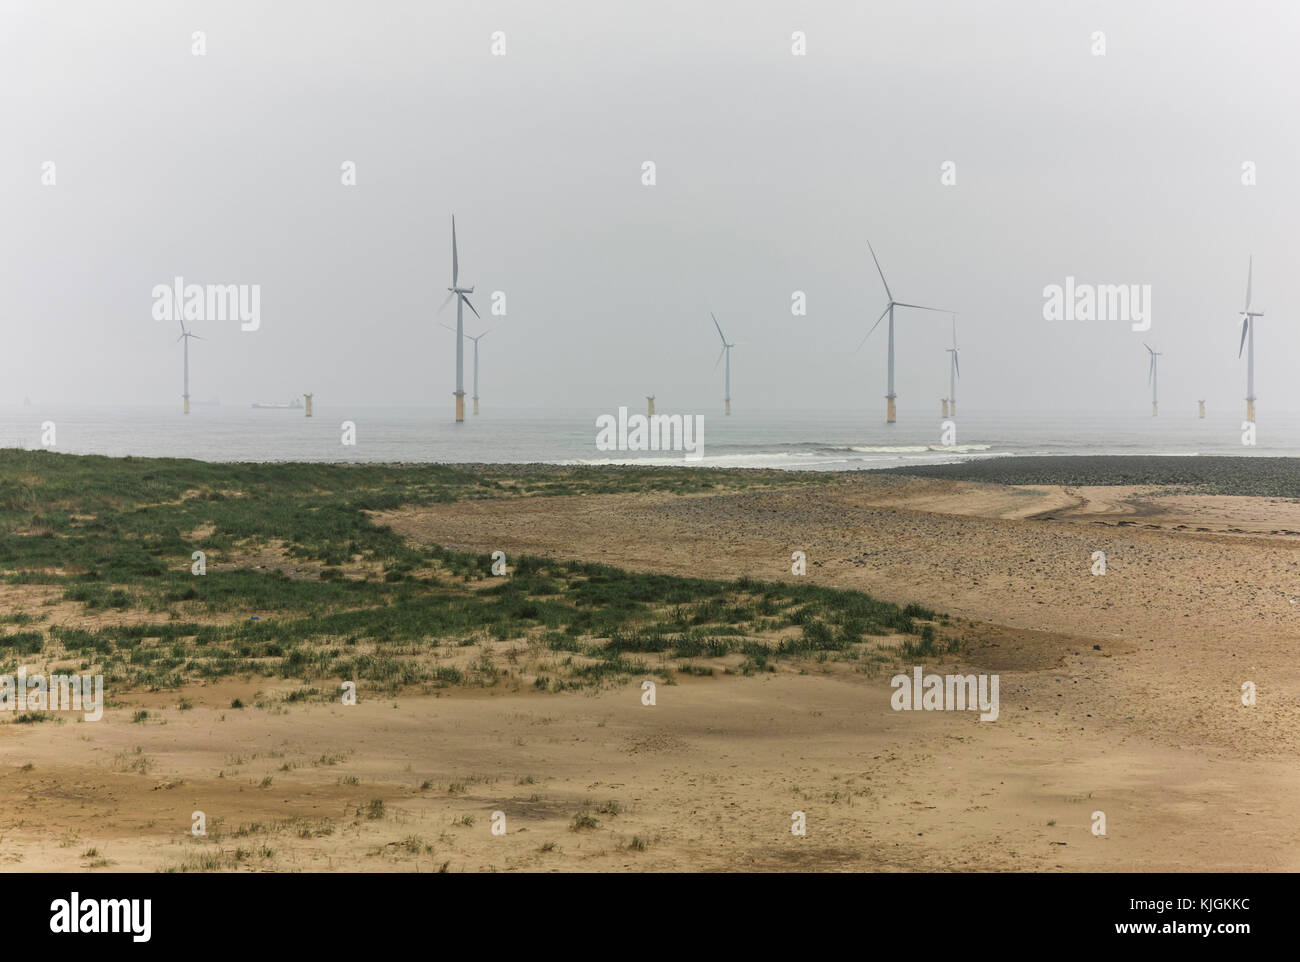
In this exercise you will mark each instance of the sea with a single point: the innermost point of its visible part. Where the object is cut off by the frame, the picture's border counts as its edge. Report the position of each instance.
(784, 439)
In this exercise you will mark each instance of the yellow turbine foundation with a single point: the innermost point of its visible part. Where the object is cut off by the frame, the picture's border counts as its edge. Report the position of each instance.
(460, 408)
(1155, 410)
(187, 404)
(1250, 411)
(728, 407)
(944, 402)
(1201, 406)
(476, 405)
(952, 408)
(891, 412)
(650, 406)
(307, 404)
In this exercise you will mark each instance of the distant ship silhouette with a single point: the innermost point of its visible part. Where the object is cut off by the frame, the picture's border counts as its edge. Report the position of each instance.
(294, 405)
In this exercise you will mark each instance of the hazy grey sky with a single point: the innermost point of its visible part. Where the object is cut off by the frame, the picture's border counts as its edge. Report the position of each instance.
(773, 172)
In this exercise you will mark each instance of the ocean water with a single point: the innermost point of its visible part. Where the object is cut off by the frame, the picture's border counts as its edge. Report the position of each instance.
(794, 440)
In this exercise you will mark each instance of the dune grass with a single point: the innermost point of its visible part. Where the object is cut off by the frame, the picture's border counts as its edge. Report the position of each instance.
(302, 584)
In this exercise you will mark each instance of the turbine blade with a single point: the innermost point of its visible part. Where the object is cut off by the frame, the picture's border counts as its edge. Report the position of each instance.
(469, 305)
(873, 327)
(922, 307)
(1244, 324)
(444, 304)
(1250, 271)
(718, 326)
(956, 363)
(719, 360)
(878, 270)
(449, 327)
(455, 260)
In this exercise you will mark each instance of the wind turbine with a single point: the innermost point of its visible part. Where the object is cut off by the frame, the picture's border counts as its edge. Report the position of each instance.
(726, 349)
(475, 340)
(1248, 335)
(954, 371)
(1153, 377)
(890, 411)
(459, 293)
(185, 336)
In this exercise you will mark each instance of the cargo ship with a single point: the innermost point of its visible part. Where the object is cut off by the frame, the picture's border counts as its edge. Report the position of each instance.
(294, 405)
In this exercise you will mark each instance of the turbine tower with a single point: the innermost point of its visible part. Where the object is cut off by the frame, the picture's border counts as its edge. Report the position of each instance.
(954, 372)
(185, 336)
(726, 349)
(459, 293)
(890, 409)
(475, 340)
(1248, 341)
(1153, 378)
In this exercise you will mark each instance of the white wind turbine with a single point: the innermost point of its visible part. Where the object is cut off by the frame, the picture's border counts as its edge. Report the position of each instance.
(475, 340)
(890, 410)
(185, 336)
(726, 349)
(954, 371)
(1248, 341)
(1153, 377)
(459, 293)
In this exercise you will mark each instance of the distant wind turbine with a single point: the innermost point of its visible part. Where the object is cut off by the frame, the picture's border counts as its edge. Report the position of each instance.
(890, 410)
(954, 371)
(475, 340)
(726, 349)
(1153, 377)
(185, 336)
(459, 293)
(1248, 340)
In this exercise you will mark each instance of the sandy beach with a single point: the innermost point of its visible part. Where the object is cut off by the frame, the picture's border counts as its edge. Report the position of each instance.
(1120, 693)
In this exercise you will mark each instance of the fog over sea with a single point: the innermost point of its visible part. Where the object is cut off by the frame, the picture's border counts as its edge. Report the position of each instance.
(792, 440)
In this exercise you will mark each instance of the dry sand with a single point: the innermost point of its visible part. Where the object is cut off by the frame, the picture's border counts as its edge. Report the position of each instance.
(1119, 693)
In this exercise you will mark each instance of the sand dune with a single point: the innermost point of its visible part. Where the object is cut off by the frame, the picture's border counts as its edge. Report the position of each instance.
(1119, 693)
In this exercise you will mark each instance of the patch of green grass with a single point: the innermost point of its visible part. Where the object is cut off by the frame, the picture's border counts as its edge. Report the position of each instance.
(355, 601)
